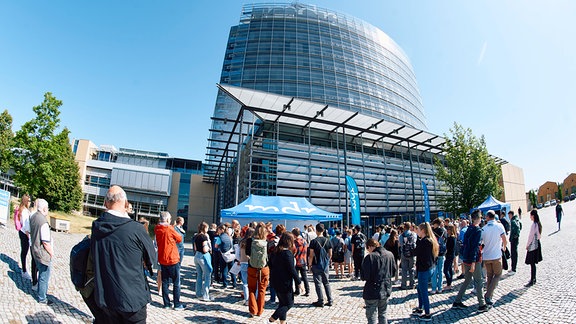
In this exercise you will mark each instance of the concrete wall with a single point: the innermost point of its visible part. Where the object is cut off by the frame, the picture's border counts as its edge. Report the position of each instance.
(514, 188)
(201, 203)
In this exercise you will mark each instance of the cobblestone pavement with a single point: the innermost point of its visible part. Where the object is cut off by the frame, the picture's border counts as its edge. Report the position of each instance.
(551, 300)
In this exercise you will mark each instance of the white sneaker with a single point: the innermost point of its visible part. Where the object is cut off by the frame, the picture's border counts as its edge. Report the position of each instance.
(511, 272)
(26, 275)
(35, 287)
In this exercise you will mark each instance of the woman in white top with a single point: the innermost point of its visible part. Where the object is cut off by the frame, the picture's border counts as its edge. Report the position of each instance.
(534, 254)
(22, 221)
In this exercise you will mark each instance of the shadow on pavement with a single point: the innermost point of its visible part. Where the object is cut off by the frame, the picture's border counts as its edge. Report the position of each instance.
(42, 317)
(208, 319)
(553, 233)
(16, 274)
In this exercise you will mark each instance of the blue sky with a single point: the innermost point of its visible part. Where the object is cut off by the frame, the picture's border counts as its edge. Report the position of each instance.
(143, 74)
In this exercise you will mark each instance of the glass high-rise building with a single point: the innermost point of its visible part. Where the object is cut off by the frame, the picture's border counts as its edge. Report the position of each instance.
(327, 57)
(318, 55)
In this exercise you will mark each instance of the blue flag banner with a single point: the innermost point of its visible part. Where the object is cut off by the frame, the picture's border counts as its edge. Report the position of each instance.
(426, 202)
(354, 199)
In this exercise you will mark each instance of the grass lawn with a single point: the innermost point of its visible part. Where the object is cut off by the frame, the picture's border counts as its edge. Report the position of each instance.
(78, 223)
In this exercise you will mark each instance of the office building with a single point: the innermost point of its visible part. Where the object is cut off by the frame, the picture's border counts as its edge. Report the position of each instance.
(153, 181)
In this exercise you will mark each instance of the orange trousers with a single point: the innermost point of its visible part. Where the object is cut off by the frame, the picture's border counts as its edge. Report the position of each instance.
(257, 281)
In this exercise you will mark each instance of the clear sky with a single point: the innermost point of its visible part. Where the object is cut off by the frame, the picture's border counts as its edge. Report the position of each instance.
(143, 74)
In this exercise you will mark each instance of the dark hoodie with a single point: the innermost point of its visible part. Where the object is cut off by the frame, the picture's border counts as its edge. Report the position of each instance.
(120, 247)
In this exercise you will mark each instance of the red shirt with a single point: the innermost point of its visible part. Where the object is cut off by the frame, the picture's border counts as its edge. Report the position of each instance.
(166, 239)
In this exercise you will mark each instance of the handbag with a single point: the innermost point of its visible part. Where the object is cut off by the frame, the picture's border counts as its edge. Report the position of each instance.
(534, 244)
(229, 256)
(507, 253)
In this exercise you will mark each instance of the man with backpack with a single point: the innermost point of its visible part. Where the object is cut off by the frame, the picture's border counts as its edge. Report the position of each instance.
(338, 251)
(407, 256)
(119, 246)
(441, 236)
(319, 259)
(358, 250)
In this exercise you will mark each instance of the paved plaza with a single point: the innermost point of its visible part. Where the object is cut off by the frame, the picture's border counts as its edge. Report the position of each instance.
(551, 300)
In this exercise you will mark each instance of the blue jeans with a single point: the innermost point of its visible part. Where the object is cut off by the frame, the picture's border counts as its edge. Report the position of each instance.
(181, 253)
(43, 277)
(423, 278)
(437, 274)
(171, 272)
(244, 276)
(225, 268)
(321, 279)
(203, 275)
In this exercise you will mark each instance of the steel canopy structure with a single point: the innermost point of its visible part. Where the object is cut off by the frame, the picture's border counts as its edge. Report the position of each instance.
(269, 107)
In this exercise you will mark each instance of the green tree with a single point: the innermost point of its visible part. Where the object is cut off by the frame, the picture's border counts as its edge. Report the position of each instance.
(560, 190)
(45, 165)
(6, 141)
(533, 198)
(467, 172)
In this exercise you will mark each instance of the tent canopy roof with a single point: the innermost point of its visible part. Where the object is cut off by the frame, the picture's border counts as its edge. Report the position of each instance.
(272, 208)
(492, 203)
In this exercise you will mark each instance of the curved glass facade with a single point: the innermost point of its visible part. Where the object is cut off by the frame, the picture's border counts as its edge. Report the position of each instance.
(323, 56)
(318, 55)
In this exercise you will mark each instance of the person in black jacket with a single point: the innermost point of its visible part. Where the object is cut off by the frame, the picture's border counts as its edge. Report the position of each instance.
(119, 246)
(282, 274)
(377, 269)
(426, 252)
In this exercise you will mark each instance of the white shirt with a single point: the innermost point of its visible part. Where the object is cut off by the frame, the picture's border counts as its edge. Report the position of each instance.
(491, 236)
(25, 220)
(46, 235)
(117, 213)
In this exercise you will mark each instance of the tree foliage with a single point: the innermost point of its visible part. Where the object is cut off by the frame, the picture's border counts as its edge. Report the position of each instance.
(467, 172)
(6, 141)
(533, 198)
(45, 166)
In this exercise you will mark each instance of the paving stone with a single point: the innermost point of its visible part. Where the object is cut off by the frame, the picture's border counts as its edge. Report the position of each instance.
(551, 300)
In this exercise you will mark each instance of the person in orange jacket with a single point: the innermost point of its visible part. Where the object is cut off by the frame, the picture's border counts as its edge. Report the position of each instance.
(167, 239)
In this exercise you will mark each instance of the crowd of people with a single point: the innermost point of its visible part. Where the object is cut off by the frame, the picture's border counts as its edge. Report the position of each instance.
(257, 257)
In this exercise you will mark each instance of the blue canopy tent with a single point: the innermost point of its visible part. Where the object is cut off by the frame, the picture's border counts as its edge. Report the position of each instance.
(290, 211)
(491, 203)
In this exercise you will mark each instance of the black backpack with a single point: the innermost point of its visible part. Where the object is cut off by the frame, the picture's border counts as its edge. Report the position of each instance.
(338, 252)
(78, 263)
(408, 246)
(441, 244)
